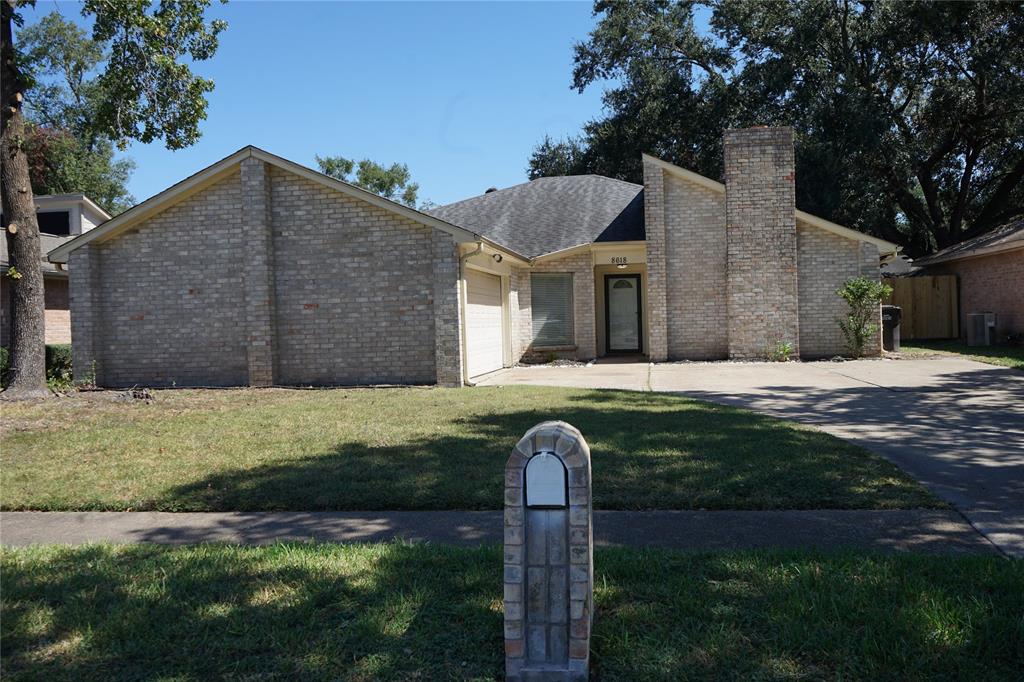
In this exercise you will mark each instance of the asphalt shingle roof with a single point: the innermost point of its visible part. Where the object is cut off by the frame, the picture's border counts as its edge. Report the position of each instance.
(1004, 234)
(553, 213)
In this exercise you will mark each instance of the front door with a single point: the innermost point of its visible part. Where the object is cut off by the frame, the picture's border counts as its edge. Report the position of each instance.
(622, 313)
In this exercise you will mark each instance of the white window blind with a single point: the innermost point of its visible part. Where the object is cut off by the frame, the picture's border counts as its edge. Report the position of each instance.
(551, 303)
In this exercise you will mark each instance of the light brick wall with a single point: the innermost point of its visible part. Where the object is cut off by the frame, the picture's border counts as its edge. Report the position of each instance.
(695, 292)
(581, 266)
(993, 283)
(657, 276)
(520, 313)
(826, 260)
(761, 237)
(354, 289)
(274, 279)
(447, 311)
(169, 294)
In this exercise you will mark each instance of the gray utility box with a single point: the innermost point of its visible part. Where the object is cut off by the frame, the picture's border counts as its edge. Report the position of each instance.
(981, 329)
(891, 316)
(549, 556)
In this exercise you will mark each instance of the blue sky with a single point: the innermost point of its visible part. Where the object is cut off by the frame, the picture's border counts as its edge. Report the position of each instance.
(461, 91)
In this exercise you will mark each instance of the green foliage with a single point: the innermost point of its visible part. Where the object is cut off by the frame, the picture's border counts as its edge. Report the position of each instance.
(564, 157)
(780, 352)
(58, 365)
(5, 363)
(68, 150)
(907, 113)
(392, 182)
(150, 91)
(61, 163)
(863, 295)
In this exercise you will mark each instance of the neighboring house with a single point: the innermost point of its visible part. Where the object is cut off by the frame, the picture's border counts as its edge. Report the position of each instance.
(61, 218)
(990, 274)
(259, 271)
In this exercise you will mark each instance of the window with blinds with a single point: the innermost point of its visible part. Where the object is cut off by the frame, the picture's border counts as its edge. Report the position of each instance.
(551, 303)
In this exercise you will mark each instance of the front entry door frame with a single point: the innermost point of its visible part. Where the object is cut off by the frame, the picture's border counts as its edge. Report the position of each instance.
(608, 317)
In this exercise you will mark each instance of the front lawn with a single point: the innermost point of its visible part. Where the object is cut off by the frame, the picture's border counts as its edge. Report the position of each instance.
(410, 448)
(421, 612)
(1006, 356)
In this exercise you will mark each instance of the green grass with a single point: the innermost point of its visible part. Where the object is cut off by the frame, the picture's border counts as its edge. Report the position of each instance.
(420, 612)
(1005, 356)
(419, 449)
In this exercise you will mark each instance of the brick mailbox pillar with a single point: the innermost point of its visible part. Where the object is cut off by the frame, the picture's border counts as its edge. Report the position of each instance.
(549, 556)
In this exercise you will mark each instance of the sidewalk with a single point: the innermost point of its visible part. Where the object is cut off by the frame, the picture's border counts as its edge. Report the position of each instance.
(918, 530)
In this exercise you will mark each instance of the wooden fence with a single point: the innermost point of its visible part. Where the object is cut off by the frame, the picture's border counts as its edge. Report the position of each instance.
(930, 306)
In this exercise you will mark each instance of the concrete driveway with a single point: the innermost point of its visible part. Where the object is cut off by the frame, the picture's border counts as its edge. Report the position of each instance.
(955, 425)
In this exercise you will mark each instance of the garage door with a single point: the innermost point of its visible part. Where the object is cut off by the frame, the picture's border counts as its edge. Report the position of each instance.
(485, 350)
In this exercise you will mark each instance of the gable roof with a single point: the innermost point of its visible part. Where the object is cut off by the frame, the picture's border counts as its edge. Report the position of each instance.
(1003, 238)
(221, 169)
(884, 246)
(553, 213)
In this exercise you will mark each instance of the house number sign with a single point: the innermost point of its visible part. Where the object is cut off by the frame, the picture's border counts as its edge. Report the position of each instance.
(619, 260)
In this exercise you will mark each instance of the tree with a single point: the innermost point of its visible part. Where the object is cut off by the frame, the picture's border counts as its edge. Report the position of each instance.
(68, 151)
(148, 92)
(907, 114)
(564, 157)
(391, 182)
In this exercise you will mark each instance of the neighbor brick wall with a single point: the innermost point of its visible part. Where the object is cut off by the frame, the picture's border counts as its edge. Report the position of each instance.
(354, 289)
(761, 239)
(993, 283)
(657, 277)
(57, 318)
(168, 302)
(695, 257)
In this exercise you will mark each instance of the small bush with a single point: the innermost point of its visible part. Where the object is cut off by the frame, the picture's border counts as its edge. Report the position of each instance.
(780, 352)
(863, 295)
(58, 366)
(5, 359)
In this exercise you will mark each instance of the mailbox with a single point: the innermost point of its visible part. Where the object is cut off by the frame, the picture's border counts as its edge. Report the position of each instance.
(548, 565)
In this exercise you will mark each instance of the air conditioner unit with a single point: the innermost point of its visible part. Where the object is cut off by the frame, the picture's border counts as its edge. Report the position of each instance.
(981, 329)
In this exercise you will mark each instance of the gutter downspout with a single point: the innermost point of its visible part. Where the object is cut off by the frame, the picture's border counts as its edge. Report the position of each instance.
(462, 309)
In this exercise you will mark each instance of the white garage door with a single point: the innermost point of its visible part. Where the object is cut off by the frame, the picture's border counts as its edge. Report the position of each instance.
(485, 350)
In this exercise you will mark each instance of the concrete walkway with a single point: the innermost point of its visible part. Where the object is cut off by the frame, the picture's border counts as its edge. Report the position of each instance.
(929, 531)
(955, 425)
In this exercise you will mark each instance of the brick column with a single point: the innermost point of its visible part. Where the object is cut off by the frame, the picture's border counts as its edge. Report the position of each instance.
(447, 311)
(760, 212)
(86, 314)
(657, 276)
(261, 333)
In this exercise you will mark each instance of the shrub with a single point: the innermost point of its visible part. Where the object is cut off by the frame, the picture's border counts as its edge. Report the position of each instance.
(5, 358)
(58, 365)
(863, 295)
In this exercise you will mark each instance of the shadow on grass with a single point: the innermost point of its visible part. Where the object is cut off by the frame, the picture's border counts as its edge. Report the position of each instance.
(650, 451)
(282, 612)
(386, 612)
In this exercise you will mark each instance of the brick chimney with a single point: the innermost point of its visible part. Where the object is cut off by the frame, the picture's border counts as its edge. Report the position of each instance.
(760, 225)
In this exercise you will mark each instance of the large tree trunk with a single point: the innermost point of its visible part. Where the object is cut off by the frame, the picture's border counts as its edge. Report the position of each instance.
(27, 374)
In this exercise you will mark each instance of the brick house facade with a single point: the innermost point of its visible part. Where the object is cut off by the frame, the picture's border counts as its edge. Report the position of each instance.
(257, 271)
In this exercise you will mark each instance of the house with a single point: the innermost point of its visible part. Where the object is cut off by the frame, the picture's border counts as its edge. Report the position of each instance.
(990, 275)
(260, 271)
(61, 218)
